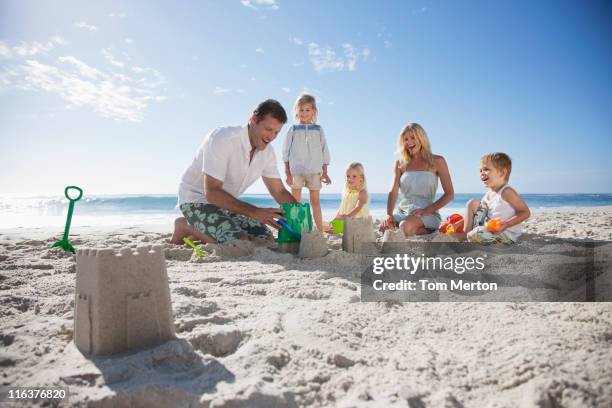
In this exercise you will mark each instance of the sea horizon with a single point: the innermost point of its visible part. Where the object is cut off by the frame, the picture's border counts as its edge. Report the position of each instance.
(141, 209)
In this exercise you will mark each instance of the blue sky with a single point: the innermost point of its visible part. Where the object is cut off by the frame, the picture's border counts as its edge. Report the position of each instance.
(116, 96)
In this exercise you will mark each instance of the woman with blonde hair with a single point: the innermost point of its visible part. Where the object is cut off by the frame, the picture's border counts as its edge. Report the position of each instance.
(415, 176)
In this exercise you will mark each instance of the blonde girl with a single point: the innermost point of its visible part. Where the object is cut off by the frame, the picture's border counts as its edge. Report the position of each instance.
(354, 202)
(306, 155)
(415, 176)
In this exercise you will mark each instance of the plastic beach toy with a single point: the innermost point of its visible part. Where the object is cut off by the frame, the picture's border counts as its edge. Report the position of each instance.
(63, 243)
(197, 250)
(494, 225)
(298, 219)
(289, 229)
(337, 226)
(454, 223)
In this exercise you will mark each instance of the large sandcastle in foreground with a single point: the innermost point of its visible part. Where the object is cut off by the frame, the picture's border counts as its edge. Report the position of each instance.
(122, 300)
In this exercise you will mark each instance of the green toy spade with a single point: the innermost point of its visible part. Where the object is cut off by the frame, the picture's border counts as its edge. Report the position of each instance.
(63, 243)
(197, 250)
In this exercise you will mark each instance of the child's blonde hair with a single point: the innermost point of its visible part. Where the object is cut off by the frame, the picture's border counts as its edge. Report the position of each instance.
(501, 161)
(303, 100)
(359, 167)
(420, 135)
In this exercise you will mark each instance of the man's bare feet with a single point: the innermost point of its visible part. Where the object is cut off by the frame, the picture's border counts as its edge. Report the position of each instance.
(182, 229)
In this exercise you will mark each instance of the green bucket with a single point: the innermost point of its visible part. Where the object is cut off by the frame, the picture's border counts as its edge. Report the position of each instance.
(337, 226)
(298, 218)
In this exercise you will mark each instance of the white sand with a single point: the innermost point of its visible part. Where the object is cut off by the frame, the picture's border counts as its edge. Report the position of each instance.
(274, 330)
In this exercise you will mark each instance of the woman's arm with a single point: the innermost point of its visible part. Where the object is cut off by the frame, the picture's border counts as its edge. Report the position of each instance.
(394, 189)
(447, 186)
(516, 202)
(361, 201)
(389, 222)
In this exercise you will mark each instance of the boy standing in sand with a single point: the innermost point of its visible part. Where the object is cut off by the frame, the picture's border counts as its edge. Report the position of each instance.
(230, 160)
(500, 204)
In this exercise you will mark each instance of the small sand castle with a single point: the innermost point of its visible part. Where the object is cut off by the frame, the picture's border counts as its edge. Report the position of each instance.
(122, 300)
(390, 237)
(313, 245)
(357, 232)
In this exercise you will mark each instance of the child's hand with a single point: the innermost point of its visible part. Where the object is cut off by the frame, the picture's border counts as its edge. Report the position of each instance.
(325, 178)
(289, 180)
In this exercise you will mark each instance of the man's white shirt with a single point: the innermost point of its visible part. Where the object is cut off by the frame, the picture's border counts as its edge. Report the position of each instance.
(224, 154)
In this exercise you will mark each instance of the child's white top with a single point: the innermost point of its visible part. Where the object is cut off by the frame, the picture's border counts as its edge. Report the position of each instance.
(305, 149)
(500, 208)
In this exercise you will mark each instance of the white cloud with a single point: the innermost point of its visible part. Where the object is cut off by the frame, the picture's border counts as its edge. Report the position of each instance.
(25, 49)
(115, 95)
(5, 50)
(260, 4)
(111, 59)
(385, 36)
(128, 41)
(59, 40)
(120, 15)
(220, 91)
(84, 26)
(285, 89)
(259, 50)
(324, 58)
(296, 40)
(82, 68)
(223, 91)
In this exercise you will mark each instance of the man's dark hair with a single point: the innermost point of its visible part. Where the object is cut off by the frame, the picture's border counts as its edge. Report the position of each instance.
(272, 107)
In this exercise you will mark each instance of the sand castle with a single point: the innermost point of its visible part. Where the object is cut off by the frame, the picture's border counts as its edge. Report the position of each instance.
(122, 300)
(390, 237)
(313, 245)
(357, 232)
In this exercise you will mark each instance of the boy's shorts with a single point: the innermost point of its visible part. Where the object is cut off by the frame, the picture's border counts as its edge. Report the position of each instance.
(311, 181)
(221, 224)
(480, 234)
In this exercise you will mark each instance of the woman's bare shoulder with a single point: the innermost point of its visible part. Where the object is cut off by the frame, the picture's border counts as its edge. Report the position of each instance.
(438, 159)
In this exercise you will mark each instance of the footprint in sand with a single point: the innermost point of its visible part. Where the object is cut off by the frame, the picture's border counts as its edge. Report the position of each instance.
(185, 291)
(218, 342)
(182, 308)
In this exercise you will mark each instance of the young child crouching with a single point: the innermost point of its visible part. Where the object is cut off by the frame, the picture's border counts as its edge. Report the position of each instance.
(354, 202)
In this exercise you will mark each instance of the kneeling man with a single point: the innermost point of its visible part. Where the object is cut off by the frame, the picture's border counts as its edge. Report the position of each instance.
(230, 160)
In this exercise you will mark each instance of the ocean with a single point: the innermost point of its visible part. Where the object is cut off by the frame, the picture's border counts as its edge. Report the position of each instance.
(125, 210)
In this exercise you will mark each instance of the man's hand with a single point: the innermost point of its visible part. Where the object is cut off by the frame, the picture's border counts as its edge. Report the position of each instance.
(325, 179)
(289, 179)
(268, 216)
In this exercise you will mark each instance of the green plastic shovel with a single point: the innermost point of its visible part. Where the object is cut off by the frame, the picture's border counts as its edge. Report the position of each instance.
(63, 243)
(197, 250)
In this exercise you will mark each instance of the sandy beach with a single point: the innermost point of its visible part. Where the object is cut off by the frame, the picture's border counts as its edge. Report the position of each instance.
(271, 329)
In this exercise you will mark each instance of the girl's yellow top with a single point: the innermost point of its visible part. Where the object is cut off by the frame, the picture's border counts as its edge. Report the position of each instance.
(349, 202)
